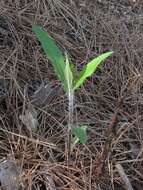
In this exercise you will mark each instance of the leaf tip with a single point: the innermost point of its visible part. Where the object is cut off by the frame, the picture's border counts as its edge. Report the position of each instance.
(36, 28)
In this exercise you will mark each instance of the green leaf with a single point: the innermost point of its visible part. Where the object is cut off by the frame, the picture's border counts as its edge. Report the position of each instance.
(68, 76)
(90, 68)
(74, 72)
(52, 51)
(80, 134)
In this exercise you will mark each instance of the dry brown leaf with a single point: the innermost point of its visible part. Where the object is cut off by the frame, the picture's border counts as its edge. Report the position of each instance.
(9, 176)
(29, 119)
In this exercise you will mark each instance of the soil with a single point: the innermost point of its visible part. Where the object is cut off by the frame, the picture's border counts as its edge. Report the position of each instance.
(110, 102)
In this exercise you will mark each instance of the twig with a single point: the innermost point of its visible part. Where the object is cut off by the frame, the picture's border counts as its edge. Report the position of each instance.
(124, 177)
(110, 134)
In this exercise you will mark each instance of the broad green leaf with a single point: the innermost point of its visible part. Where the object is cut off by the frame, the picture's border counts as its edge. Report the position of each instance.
(68, 76)
(51, 50)
(90, 68)
(80, 134)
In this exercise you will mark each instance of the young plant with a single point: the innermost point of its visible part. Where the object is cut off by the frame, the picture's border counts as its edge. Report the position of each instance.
(64, 72)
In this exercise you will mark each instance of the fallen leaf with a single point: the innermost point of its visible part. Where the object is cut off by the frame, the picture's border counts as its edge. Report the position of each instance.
(45, 94)
(9, 176)
(29, 119)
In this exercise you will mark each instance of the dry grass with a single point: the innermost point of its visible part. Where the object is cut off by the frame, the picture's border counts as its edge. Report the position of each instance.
(85, 29)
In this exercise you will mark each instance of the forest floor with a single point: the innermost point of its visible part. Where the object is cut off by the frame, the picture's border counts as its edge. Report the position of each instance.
(110, 102)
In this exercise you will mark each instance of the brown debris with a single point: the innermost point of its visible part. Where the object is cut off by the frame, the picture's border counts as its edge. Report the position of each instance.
(84, 29)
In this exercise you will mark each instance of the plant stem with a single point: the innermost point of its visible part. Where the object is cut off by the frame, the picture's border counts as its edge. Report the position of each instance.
(70, 122)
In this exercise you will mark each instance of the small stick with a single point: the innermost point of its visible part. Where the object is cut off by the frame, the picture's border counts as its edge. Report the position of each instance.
(110, 133)
(124, 177)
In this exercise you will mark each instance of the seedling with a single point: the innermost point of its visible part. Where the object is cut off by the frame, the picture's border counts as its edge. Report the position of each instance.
(64, 72)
